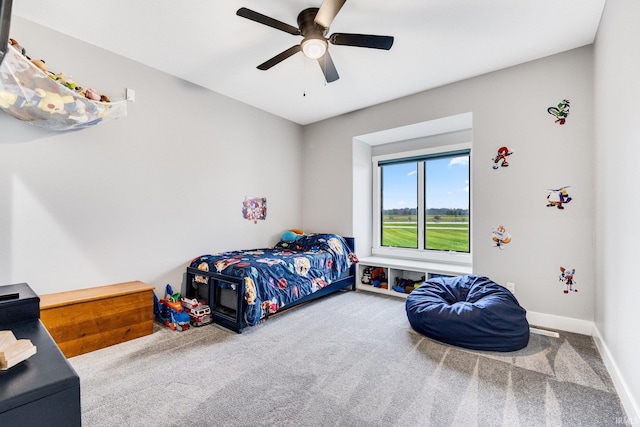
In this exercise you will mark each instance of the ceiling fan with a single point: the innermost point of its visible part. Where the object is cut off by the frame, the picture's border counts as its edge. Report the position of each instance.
(313, 26)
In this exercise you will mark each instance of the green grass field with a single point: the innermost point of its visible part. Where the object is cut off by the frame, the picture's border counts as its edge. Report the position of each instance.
(443, 233)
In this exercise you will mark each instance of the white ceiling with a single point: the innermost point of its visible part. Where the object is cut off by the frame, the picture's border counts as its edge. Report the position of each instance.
(436, 42)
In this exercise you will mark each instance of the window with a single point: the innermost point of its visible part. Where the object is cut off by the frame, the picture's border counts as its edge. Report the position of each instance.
(422, 204)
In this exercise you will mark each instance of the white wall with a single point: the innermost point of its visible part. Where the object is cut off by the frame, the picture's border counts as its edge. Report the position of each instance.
(139, 197)
(617, 153)
(509, 108)
(362, 220)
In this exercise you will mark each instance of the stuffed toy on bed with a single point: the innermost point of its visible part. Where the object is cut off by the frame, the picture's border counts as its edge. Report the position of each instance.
(292, 235)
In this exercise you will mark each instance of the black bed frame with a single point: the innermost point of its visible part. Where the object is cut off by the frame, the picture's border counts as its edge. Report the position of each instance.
(225, 294)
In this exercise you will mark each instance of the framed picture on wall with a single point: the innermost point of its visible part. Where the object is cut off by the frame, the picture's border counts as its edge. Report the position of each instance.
(254, 208)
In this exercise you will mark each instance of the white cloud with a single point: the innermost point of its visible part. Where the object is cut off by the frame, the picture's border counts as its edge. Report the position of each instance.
(459, 161)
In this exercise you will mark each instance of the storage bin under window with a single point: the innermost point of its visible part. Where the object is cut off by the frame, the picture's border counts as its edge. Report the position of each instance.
(375, 276)
(30, 95)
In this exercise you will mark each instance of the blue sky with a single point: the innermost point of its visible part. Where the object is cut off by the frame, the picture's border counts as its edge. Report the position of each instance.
(447, 184)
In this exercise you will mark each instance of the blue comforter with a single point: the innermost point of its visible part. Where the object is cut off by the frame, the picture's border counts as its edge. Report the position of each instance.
(276, 277)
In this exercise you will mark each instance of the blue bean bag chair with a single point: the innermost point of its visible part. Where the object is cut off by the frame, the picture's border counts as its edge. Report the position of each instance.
(468, 311)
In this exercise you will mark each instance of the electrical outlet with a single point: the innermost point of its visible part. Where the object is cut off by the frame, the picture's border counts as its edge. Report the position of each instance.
(131, 95)
(512, 287)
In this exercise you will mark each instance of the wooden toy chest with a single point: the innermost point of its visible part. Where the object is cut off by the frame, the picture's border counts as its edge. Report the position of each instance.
(85, 320)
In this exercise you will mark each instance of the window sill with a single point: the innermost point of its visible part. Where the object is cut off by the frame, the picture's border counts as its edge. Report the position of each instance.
(457, 259)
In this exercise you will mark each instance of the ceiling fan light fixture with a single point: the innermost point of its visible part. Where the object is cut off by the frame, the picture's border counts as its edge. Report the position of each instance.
(313, 26)
(314, 47)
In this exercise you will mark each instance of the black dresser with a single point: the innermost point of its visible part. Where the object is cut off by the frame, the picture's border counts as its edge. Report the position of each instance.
(43, 390)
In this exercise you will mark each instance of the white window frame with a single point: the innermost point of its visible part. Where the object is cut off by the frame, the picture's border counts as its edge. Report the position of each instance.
(419, 254)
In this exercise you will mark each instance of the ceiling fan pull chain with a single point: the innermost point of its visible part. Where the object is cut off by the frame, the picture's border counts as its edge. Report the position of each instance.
(304, 80)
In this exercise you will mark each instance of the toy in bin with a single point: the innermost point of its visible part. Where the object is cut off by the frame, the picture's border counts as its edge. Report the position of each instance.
(169, 311)
(374, 276)
(405, 286)
(198, 311)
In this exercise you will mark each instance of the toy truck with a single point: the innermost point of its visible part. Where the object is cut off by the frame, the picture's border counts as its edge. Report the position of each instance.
(199, 313)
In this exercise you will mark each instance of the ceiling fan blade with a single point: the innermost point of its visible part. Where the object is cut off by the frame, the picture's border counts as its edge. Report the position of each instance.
(362, 40)
(328, 11)
(328, 68)
(280, 57)
(269, 22)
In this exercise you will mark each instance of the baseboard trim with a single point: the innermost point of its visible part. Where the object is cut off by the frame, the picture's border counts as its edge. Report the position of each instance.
(585, 327)
(568, 324)
(629, 403)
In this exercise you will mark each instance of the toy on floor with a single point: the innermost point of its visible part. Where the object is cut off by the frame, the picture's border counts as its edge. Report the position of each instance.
(169, 311)
(198, 311)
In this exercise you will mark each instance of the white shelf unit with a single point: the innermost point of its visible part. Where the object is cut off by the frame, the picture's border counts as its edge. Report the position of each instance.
(393, 269)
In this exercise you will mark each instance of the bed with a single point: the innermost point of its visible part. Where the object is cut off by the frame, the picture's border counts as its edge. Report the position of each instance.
(245, 287)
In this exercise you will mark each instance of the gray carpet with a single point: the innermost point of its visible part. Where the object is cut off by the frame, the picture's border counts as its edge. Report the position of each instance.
(346, 360)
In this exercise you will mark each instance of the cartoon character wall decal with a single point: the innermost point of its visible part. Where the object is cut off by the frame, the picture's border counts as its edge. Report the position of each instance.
(500, 160)
(561, 112)
(566, 277)
(558, 197)
(254, 208)
(500, 237)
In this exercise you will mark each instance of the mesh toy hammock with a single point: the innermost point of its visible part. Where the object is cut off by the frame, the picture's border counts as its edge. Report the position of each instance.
(28, 94)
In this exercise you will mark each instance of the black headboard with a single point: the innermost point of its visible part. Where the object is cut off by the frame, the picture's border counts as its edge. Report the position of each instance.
(351, 242)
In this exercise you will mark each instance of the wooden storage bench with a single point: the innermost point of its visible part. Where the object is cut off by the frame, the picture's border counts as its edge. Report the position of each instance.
(85, 320)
